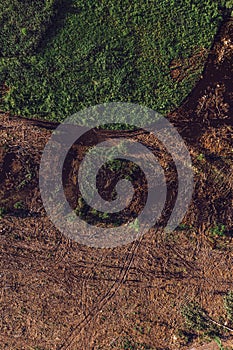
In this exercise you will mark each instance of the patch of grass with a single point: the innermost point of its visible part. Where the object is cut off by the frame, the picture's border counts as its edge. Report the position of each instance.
(115, 165)
(99, 214)
(100, 52)
(218, 230)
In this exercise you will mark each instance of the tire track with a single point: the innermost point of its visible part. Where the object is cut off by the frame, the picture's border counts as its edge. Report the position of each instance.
(105, 299)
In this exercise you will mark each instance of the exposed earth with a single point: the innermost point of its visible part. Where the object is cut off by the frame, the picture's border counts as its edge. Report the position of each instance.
(57, 294)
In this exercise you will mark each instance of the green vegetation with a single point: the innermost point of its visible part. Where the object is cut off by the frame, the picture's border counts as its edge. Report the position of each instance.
(228, 4)
(135, 225)
(25, 181)
(219, 343)
(59, 56)
(2, 212)
(201, 157)
(23, 25)
(127, 343)
(228, 303)
(184, 227)
(99, 214)
(218, 230)
(198, 320)
(19, 205)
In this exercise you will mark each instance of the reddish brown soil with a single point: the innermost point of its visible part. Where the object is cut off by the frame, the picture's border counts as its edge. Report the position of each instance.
(57, 294)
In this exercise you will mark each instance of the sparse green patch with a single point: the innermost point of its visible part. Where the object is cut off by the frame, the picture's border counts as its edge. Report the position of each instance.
(219, 343)
(19, 205)
(197, 319)
(201, 157)
(228, 303)
(135, 225)
(218, 230)
(184, 227)
(128, 343)
(25, 181)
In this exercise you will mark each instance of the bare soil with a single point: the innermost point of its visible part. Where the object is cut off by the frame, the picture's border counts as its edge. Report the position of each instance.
(57, 294)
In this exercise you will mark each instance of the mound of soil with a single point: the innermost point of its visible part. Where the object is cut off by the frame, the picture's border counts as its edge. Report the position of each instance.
(58, 294)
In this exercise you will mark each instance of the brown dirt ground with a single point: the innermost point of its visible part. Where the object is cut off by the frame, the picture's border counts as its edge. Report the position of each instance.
(57, 294)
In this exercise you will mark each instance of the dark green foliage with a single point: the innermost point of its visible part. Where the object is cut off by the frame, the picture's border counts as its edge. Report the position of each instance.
(197, 319)
(22, 25)
(96, 52)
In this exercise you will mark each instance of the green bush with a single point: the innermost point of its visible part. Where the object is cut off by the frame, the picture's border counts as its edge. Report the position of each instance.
(66, 55)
